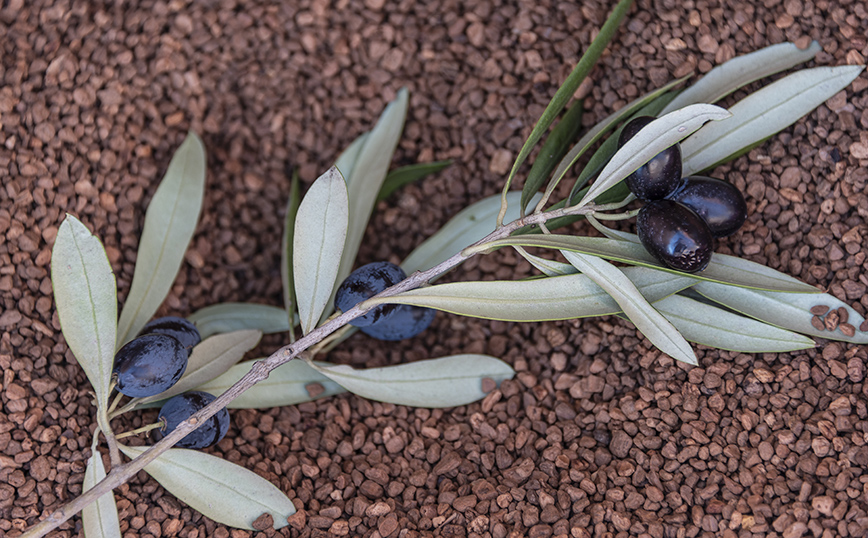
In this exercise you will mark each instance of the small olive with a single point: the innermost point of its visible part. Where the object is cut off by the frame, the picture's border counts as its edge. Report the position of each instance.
(675, 235)
(657, 178)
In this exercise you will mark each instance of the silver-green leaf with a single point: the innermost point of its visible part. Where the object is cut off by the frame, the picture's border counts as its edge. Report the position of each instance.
(741, 70)
(647, 320)
(444, 382)
(764, 113)
(654, 138)
(228, 317)
(169, 225)
(791, 311)
(100, 518)
(286, 250)
(86, 297)
(542, 299)
(718, 328)
(547, 267)
(725, 269)
(468, 226)
(225, 492)
(292, 383)
(320, 235)
(211, 358)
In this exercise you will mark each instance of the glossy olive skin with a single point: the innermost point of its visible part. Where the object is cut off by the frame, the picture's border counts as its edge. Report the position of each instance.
(657, 178)
(149, 365)
(386, 322)
(675, 235)
(720, 204)
(179, 408)
(185, 331)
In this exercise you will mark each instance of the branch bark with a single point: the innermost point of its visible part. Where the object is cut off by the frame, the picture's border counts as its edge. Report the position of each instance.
(261, 369)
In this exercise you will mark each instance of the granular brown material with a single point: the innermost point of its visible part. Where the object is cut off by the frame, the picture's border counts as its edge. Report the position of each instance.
(599, 434)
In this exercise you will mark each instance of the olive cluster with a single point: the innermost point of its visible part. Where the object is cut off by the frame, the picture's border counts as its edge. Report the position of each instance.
(152, 363)
(385, 322)
(682, 215)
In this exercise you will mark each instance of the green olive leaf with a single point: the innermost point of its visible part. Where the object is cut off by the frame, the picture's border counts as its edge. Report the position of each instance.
(99, 519)
(320, 235)
(658, 135)
(547, 267)
(564, 93)
(790, 311)
(365, 179)
(347, 160)
(714, 327)
(764, 113)
(289, 384)
(220, 490)
(228, 317)
(86, 297)
(639, 311)
(210, 358)
(444, 382)
(468, 226)
(286, 251)
(556, 145)
(170, 222)
(542, 299)
(740, 71)
(408, 174)
(725, 269)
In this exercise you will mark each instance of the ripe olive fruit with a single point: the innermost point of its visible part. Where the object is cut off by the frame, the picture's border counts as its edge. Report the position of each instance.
(149, 365)
(720, 204)
(385, 322)
(657, 178)
(185, 331)
(675, 235)
(179, 408)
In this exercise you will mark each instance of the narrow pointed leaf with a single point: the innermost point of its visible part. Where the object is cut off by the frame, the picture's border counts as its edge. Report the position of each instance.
(600, 129)
(347, 160)
(556, 145)
(444, 382)
(547, 267)
(86, 297)
(228, 317)
(654, 138)
(741, 70)
(725, 269)
(225, 492)
(211, 358)
(286, 251)
(764, 113)
(647, 320)
(542, 299)
(790, 311)
(320, 235)
(714, 327)
(408, 174)
(470, 225)
(565, 92)
(170, 222)
(100, 518)
(366, 179)
(292, 383)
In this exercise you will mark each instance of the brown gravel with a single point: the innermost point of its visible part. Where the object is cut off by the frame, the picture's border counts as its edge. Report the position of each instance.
(599, 434)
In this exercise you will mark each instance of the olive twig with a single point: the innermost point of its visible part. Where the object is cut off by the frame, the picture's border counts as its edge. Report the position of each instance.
(143, 429)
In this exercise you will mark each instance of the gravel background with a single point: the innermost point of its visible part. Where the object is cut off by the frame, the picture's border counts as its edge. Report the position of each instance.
(598, 434)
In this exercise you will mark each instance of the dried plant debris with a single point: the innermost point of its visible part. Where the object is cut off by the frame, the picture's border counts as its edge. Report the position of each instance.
(597, 433)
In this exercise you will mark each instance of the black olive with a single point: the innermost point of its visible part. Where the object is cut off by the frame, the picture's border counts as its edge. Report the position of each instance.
(719, 203)
(675, 235)
(149, 364)
(657, 178)
(185, 331)
(181, 407)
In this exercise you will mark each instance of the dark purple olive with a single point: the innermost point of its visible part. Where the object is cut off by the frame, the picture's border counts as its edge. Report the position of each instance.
(657, 178)
(185, 331)
(179, 408)
(385, 322)
(675, 235)
(149, 364)
(719, 203)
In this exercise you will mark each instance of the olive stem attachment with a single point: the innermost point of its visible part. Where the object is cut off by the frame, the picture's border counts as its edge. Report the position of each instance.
(143, 429)
(115, 402)
(616, 216)
(121, 473)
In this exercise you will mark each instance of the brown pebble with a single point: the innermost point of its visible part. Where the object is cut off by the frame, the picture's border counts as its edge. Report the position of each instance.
(831, 320)
(818, 324)
(864, 326)
(264, 521)
(843, 314)
(314, 389)
(819, 310)
(488, 384)
(847, 329)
